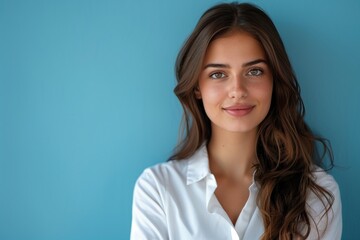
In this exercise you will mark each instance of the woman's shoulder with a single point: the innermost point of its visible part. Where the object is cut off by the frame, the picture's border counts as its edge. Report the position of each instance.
(325, 209)
(179, 171)
(325, 180)
(319, 202)
(165, 172)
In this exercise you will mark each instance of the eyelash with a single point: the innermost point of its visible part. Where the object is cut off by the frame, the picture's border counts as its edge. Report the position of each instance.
(250, 73)
(258, 70)
(212, 75)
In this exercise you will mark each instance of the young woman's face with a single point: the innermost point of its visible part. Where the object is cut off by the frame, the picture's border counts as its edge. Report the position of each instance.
(236, 83)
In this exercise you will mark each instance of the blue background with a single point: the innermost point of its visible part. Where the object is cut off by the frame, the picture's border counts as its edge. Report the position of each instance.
(86, 103)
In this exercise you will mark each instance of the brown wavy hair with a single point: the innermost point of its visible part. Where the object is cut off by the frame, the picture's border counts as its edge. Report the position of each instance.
(286, 147)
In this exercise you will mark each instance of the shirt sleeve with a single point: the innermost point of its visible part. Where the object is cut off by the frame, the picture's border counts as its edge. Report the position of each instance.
(328, 226)
(148, 215)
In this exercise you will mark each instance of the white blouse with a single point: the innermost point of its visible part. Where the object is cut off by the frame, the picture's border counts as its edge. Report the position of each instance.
(176, 200)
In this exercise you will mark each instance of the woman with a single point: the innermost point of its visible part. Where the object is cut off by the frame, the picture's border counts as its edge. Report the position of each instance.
(247, 166)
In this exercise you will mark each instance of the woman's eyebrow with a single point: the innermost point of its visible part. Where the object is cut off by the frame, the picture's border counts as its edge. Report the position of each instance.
(216, 65)
(260, 60)
(220, 65)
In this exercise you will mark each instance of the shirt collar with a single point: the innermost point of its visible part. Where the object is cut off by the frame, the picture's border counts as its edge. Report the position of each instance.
(198, 168)
(198, 165)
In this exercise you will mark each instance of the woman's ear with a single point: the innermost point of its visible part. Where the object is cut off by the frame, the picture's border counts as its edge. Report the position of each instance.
(197, 93)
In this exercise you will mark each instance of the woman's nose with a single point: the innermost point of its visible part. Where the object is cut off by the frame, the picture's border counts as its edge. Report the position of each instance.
(238, 88)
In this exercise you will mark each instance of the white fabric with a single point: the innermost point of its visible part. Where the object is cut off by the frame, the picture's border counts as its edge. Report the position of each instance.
(176, 200)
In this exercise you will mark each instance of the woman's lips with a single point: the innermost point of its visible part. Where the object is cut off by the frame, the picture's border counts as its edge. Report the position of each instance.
(239, 110)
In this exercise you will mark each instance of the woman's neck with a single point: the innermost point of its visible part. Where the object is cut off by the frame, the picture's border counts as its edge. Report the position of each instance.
(232, 155)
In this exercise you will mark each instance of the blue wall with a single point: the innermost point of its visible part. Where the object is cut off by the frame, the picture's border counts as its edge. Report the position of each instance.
(86, 104)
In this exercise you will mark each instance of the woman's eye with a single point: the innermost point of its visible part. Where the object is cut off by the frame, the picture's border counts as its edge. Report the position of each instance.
(255, 72)
(217, 75)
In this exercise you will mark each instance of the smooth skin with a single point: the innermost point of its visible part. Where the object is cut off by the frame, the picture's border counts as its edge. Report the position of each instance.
(235, 86)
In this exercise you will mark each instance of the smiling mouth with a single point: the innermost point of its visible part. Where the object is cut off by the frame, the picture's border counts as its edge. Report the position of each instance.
(238, 111)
